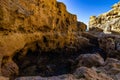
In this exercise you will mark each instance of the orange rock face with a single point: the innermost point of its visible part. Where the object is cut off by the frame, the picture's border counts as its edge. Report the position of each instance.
(35, 15)
(25, 21)
(22, 22)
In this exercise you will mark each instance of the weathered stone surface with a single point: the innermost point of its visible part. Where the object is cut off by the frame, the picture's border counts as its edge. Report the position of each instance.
(89, 74)
(81, 26)
(10, 69)
(111, 67)
(3, 78)
(25, 21)
(107, 44)
(62, 77)
(39, 37)
(109, 22)
(82, 73)
(48, 63)
(35, 15)
(110, 44)
(90, 60)
(93, 39)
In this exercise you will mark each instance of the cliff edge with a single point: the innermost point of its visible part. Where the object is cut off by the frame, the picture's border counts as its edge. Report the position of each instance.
(108, 22)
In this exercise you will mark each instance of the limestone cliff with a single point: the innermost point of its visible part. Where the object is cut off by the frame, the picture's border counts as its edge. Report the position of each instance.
(109, 21)
(107, 29)
(24, 22)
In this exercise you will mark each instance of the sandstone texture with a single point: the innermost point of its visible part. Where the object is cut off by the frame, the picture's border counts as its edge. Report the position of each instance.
(81, 26)
(41, 40)
(23, 22)
(106, 28)
(34, 26)
(108, 22)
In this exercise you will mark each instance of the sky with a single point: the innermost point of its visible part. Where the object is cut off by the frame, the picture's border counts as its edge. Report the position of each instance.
(86, 8)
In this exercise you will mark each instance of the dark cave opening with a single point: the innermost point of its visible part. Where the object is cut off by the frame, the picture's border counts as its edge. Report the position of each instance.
(51, 63)
(33, 61)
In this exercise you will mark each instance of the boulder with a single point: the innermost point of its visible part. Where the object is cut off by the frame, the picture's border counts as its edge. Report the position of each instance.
(90, 60)
(110, 44)
(10, 69)
(89, 74)
(111, 67)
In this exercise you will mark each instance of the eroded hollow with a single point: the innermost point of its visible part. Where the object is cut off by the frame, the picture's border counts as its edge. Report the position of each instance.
(33, 61)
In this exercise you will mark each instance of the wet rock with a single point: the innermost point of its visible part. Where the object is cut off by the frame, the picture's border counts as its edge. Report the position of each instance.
(90, 60)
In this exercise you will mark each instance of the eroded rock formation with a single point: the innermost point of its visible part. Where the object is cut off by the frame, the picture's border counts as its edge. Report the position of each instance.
(81, 26)
(41, 40)
(108, 22)
(90, 60)
(45, 25)
(107, 28)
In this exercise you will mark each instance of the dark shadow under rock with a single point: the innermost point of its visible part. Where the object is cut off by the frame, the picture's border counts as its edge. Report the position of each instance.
(32, 60)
